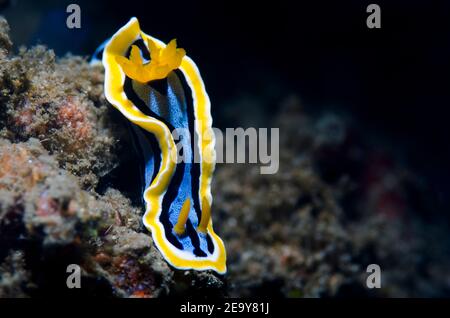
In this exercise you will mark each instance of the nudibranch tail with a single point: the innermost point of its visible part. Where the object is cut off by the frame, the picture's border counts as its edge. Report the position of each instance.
(158, 88)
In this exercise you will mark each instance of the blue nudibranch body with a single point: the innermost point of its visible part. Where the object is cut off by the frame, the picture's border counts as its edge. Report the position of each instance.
(158, 89)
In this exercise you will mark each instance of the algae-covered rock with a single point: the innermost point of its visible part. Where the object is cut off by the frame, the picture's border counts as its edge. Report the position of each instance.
(58, 139)
(59, 102)
(333, 208)
(70, 194)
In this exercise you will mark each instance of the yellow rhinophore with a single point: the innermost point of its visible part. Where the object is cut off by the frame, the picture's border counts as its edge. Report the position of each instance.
(179, 228)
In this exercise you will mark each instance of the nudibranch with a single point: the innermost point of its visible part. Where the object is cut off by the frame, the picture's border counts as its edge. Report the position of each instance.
(158, 88)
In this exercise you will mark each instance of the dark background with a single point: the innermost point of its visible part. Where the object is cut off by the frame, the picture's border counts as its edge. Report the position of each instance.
(394, 81)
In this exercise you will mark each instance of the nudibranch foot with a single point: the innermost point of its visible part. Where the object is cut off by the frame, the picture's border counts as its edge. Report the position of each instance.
(158, 88)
